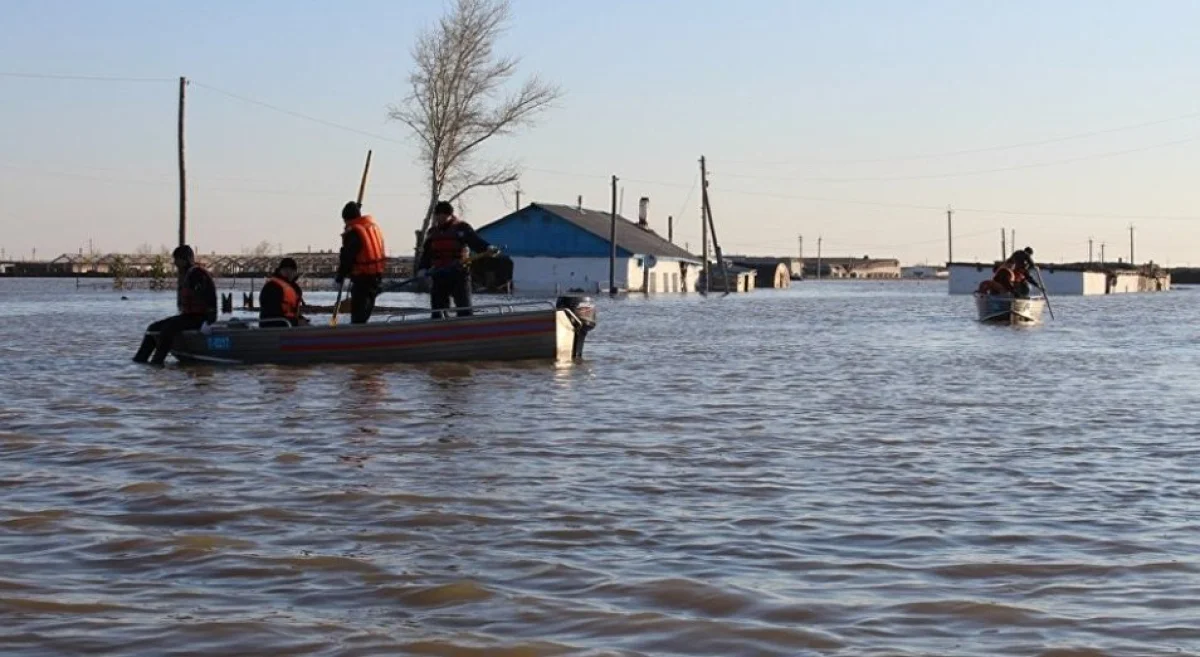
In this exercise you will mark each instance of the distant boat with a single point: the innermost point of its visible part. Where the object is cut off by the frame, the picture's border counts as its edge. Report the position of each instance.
(1009, 310)
(547, 330)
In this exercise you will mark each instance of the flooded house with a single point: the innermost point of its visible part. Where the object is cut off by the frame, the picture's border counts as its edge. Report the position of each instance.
(1072, 279)
(865, 267)
(560, 248)
(769, 272)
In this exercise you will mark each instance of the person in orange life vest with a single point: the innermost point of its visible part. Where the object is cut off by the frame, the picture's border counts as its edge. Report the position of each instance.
(1020, 264)
(443, 258)
(281, 297)
(197, 303)
(362, 260)
(1012, 276)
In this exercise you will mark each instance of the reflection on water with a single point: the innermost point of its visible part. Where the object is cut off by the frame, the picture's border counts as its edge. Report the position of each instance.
(841, 469)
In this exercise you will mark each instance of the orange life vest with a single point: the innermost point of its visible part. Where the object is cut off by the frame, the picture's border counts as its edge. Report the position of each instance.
(290, 307)
(187, 301)
(371, 258)
(445, 247)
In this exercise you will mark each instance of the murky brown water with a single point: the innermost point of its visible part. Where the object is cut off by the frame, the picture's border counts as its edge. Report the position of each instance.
(842, 469)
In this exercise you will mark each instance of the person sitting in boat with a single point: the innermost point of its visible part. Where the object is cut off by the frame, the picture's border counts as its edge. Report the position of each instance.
(444, 260)
(197, 303)
(281, 298)
(363, 260)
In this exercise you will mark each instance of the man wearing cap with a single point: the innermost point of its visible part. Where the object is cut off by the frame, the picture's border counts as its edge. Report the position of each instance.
(443, 259)
(197, 303)
(363, 260)
(281, 298)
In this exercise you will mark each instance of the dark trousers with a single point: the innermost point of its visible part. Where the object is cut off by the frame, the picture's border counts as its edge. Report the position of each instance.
(362, 299)
(455, 286)
(167, 329)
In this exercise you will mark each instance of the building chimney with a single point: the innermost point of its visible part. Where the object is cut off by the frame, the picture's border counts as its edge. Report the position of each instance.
(671, 229)
(579, 203)
(643, 207)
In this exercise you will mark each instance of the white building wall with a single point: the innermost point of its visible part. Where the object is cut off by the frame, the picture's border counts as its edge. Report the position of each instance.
(545, 275)
(541, 275)
(965, 279)
(664, 277)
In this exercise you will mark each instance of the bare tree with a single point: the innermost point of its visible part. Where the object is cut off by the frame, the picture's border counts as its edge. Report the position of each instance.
(263, 248)
(457, 101)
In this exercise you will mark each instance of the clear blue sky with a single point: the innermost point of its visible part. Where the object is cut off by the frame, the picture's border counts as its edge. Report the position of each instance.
(790, 101)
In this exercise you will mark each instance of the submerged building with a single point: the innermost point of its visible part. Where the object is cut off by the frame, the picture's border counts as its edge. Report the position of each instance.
(559, 248)
(1085, 279)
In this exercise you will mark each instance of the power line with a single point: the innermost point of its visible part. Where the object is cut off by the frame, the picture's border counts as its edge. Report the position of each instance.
(169, 183)
(960, 174)
(295, 114)
(87, 78)
(988, 149)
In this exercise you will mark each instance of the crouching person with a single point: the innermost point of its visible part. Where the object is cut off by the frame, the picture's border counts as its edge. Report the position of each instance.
(197, 304)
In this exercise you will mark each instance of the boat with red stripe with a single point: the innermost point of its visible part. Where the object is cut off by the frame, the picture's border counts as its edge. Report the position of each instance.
(536, 330)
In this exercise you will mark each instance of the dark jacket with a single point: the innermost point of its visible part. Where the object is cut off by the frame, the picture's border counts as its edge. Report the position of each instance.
(199, 285)
(351, 245)
(466, 236)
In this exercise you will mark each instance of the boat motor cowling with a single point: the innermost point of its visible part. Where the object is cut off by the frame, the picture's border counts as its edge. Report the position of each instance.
(583, 315)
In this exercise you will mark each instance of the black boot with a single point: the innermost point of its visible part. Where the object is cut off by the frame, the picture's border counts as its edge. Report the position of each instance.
(144, 351)
(164, 348)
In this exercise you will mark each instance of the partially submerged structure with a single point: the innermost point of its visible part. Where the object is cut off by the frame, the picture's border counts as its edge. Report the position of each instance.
(1071, 279)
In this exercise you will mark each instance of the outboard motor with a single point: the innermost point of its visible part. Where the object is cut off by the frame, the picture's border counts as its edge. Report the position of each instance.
(582, 312)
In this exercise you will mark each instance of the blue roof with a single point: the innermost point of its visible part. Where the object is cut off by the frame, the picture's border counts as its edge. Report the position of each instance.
(563, 231)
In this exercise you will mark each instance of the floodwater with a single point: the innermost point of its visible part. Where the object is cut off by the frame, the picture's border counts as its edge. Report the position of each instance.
(838, 469)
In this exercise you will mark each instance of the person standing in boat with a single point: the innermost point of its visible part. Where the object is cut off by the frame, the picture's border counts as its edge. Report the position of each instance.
(281, 298)
(362, 260)
(1012, 276)
(444, 260)
(197, 303)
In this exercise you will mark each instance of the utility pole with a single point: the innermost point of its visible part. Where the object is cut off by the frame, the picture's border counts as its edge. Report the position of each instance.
(182, 167)
(612, 243)
(518, 198)
(704, 220)
(1090, 250)
(1013, 241)
(819, 238)
(1131, 260)
(712, 229)
(1102, 253)
(671, 229)
(949, 235)
(1003, 246)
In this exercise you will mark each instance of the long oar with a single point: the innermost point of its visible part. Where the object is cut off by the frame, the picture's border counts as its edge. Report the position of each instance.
(362, 188)
(1045, 294)
(467, 262)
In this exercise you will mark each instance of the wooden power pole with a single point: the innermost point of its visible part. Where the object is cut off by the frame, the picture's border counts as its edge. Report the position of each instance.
(182, 167)
(704, 223)
(612, 242)
(949, 235)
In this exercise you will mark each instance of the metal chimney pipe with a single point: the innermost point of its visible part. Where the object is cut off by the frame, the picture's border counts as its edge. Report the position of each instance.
(643, 208)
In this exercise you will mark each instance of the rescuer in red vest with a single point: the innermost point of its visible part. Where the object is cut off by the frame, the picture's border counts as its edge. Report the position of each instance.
(1012, 277)
(444, 260)
(197, 303)
(281, 297)
(363, 260)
